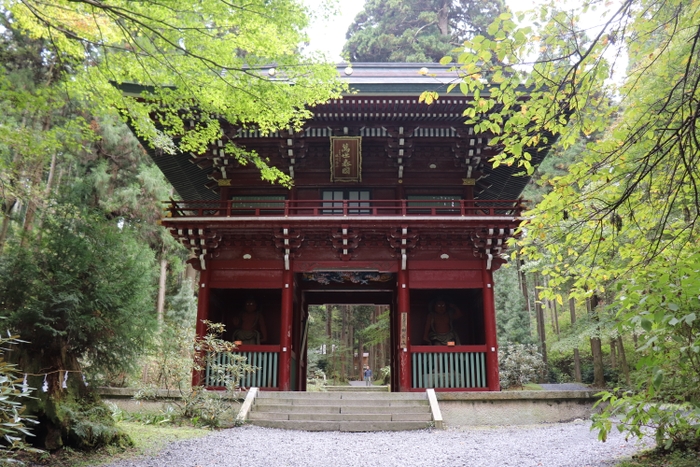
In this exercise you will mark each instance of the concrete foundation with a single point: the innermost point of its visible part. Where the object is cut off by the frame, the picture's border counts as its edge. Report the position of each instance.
(461, 409)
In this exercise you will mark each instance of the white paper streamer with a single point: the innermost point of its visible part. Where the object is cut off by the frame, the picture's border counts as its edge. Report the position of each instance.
(65, 380)
(45, 386)
(25, 386)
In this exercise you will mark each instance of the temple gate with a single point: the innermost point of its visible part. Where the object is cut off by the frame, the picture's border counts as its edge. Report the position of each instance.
(393, 203)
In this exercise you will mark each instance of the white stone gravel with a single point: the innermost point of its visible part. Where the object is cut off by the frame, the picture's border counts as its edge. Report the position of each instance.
(556, 445)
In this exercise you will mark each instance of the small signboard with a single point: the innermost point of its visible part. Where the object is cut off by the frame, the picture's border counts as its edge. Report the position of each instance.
(346, 158)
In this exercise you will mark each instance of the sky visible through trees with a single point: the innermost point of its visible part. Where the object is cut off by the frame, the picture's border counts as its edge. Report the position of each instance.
(328, 36)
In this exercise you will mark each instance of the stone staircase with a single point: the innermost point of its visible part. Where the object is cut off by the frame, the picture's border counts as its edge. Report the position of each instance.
(338, 411)
(362, 388)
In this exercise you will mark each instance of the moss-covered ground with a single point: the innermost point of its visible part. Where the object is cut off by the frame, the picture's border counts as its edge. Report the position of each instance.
(149, 439)
(689, 458)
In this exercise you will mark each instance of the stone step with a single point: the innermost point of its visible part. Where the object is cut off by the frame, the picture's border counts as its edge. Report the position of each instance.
(356, 426)
(374, 417)
(331, 409)
(357, 388)
(342, 395)
(340, 411)
(343, 403)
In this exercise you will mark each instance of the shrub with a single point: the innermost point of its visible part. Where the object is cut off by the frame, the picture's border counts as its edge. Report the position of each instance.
(385, 374)
(173, 369)
(13, 426)
(519, 364)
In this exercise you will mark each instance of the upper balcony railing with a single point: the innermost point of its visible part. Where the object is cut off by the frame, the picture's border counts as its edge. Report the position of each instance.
(322, 208)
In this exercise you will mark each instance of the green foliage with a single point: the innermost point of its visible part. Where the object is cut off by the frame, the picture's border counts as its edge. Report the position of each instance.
(177, 354)
(208, 60)
(663, 458)
(85, 291)
(374, 333)
(675, 425)
(519, 364)
(385, 375)
(315, 377)
(164, 416)
(167, 363)
(620, 225)
(662, 305)
(14, 426)
(89, 425)
(513, 322)
(416, 30)
(351, 325)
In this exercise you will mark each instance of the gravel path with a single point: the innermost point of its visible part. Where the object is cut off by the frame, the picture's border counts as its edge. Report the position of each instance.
(557, 445)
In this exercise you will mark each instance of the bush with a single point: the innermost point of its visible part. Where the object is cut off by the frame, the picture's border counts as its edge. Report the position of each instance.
(675, 425)
(519, 365)
(89, 425)
(385, 375)
(611, 375)
(13, 426)
(171, 368)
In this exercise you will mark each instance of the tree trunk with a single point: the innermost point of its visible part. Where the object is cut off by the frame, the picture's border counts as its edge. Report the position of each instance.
(160, 307)
(443, 18)
(7, 206)
(68, 416)
(596, 351)
(552, 308)
(360, 367)
(555, 315)
(32, 204)
(47, 193)
(522, 279)
(577, 366)
(343, 340)
(613, 353)
(329, 345)
(329, 324)
(539, 314)
(623, 360)
(351, 343)
(373, 349)
(577, 357)
(598, 368)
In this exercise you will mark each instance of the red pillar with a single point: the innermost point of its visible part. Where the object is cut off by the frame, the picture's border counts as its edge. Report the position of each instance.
(286, 331)
(490, 329)
(202, 314)
(403, 332)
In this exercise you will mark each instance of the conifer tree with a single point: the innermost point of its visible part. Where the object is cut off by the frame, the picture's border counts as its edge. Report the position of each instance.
(416, 30)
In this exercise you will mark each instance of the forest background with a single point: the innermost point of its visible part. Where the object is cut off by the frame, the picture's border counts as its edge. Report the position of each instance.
(604, 279)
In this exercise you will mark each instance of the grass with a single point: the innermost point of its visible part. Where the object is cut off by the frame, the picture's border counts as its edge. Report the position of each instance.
(526, 387)
(148, 441)
(658, 458)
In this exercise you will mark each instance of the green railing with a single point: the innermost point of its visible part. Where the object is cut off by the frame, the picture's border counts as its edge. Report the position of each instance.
(454, 370)
(265, 375)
